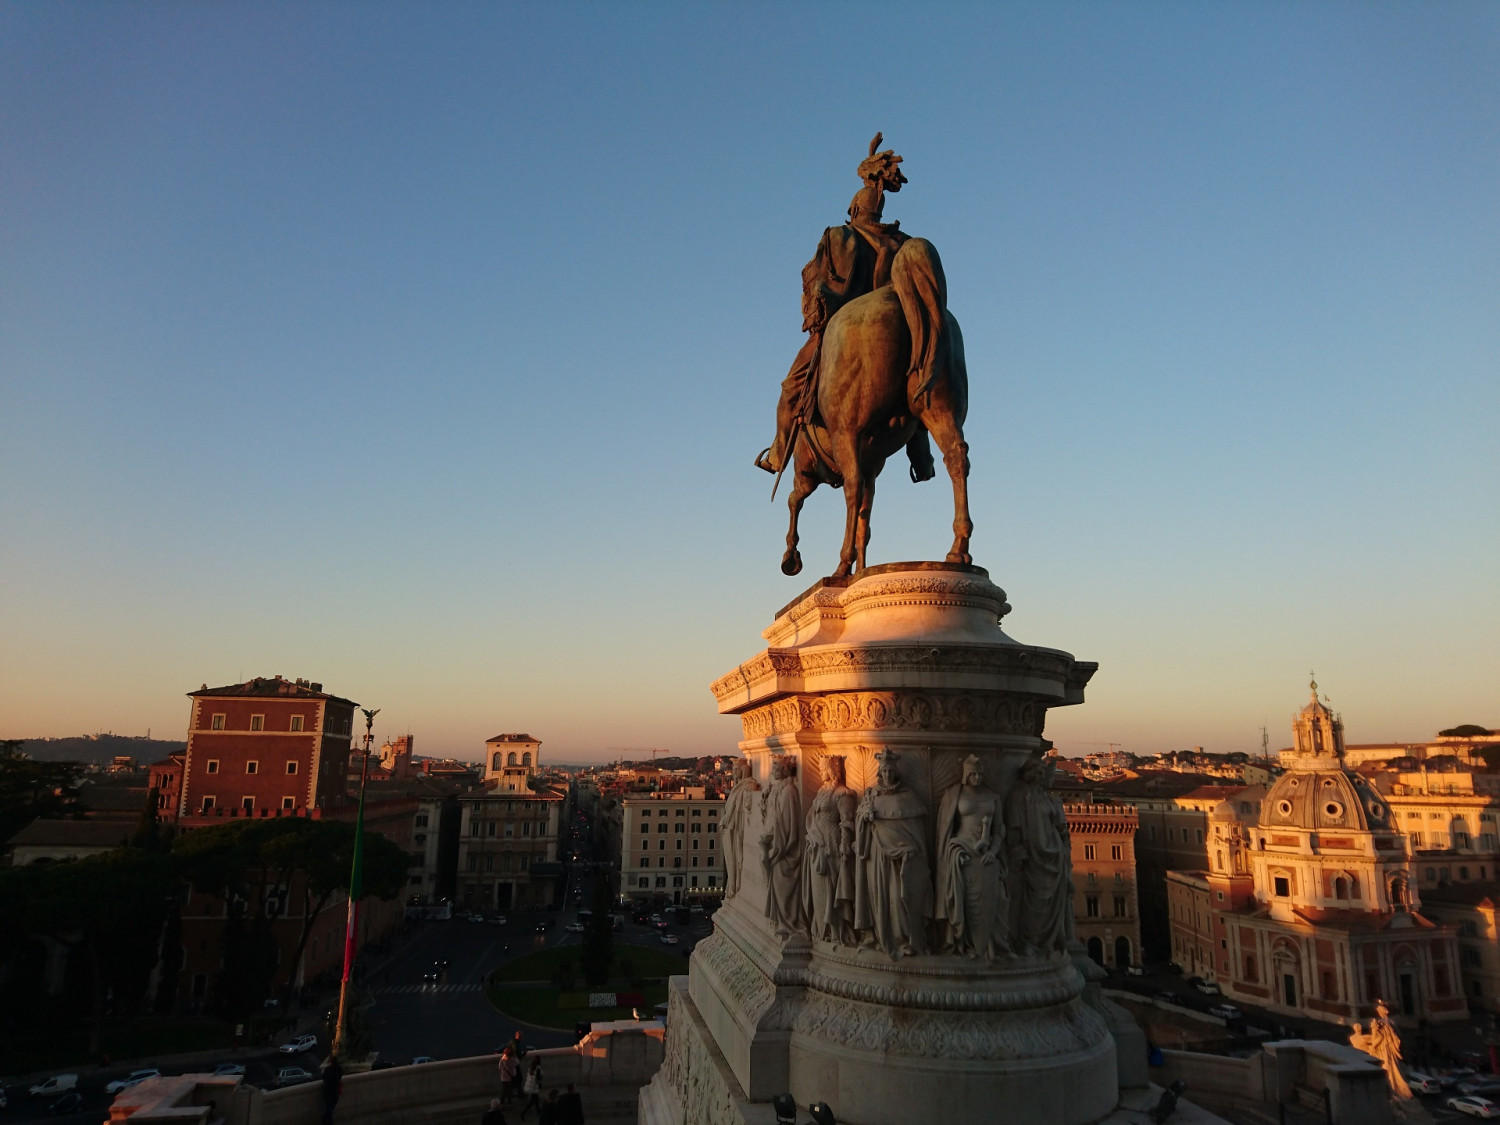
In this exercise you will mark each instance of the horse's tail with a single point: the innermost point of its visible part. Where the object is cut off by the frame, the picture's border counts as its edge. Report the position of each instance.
(917, 277)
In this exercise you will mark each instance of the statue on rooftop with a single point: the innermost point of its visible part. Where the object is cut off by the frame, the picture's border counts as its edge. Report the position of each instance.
(1383, 1045)
(883, 366)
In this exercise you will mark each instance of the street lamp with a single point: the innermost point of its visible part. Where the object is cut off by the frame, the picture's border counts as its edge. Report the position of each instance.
(356, 891)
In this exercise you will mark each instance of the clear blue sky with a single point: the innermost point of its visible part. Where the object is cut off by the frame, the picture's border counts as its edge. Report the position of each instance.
(423, 350)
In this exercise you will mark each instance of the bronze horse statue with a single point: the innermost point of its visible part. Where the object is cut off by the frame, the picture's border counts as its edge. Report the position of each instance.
(891, 364)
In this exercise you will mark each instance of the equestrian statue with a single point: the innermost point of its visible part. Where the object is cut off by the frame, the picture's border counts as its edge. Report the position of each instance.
(882, 368)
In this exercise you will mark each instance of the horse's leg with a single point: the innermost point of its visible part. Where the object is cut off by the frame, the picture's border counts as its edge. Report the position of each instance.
(948, 432)
(862, 527)
(803, 483)
(848, 464)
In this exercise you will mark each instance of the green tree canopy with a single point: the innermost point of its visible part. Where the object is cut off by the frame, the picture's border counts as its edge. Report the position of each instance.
(30, 789)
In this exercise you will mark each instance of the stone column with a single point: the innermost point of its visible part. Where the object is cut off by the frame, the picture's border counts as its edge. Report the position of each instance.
(942, 985)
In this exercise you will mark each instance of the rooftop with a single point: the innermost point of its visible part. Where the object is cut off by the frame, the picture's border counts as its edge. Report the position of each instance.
(73, 833)
(262, 686)
(512, 738)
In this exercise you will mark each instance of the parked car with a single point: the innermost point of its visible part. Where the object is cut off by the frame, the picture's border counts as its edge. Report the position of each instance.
(541, 927)
(575, 927)
(1483, 1085)
(293, 1076)
(299, 1044)
(1474, 1106)
(229, 1070)
(1226, 1012)
(134, 1078)
(1207, 987)
(71, 1102)
(498, 920)
(669, 939)
(1134, 971)
(476, 917)
(57, 1084)
(1424, 1083)
(418, 1060)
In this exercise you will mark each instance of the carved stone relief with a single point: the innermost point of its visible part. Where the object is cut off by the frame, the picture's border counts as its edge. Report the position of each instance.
(738, 807)
(893, 898)
(1041, 863)
(972, 909)
(959, 712)
(828, 858)
(781, 848)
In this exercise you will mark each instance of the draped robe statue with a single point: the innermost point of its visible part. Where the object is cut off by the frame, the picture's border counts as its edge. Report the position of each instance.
(781, 848)
(828, 858)
(737, 808)
(1383, 1044)
(893, 889)
(972, 904)
(1042, 861)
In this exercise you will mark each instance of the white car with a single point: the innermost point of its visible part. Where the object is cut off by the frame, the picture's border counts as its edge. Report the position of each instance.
(229, 1070)
(1423, 1083)
(1226, 1012)
(1474, 1106)
(669, 939)
(299, 1044)
(293, 1076)
(498, 920)
(575, 927)
(134, 1078)
(57, 1084)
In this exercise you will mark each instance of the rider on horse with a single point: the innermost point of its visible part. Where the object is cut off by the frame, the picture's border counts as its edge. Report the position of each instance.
(851, 260)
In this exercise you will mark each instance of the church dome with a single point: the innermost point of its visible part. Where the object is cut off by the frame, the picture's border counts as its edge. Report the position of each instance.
(1324, 799)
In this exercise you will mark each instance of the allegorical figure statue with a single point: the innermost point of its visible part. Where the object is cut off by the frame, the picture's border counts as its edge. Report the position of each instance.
(737, 808)
(1042, 862)
(828, 857)
(781, 847)
(882, 368)
(1383, 1044)
(893, 888)
(972, 904)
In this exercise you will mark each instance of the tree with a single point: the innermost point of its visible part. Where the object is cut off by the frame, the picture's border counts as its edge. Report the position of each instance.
(1465, 730)
(30, 789)
(599, 937)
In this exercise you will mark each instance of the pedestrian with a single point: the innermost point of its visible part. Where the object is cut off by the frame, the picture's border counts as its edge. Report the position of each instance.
(508, 1070)
(494, 1115)
(333, 1086)
(515, 1042)
(570, 1108)
(547, 1115)
(532, 1088)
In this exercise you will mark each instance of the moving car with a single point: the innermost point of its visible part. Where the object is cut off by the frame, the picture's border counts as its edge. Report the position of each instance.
(134, 1078)
(1474, 1106)
(292, 1076)
(298, 1045)
(229, 1070)
(57, 1084)
(541, 927)
(669, 939)
(71, 1102)
(432, 975)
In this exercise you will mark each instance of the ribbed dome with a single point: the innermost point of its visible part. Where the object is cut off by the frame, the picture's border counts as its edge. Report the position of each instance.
(1324, 799)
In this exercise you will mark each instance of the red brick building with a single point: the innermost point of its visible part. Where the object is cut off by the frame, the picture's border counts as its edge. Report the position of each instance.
(267, 747)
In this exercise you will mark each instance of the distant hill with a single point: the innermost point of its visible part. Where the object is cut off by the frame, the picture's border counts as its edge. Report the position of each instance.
(99, 749)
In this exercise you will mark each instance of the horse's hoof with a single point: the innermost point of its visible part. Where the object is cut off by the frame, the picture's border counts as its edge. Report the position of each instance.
(842, 571)
(791, 563)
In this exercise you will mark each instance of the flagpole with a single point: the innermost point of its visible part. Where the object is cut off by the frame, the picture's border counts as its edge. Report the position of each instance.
(356, 892)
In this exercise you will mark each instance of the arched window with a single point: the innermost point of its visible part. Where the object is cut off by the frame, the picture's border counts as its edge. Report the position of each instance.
(1122, 952)
(526, 758)
(497, 761)
(512, 759)
(1340, 890)
(1250, 969)
(1096, 950)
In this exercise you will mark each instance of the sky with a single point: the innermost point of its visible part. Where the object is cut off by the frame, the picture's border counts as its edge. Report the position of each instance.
(423, 351)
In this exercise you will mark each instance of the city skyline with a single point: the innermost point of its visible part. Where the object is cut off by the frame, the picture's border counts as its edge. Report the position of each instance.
(425, 355)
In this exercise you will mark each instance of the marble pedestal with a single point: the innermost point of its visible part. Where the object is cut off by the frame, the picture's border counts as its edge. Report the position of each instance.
(907, 659)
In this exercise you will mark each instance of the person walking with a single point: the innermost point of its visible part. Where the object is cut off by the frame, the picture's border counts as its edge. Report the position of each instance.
(532, 1088)
(494, 1115)
(509, 1068)
(570, 1108)
(333, 1086)
(547, 1115)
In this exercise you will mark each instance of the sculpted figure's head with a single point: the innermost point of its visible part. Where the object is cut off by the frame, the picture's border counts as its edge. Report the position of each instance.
(833, 769)
(1381, 1010)
(740, 769)
(886, 774)
(881, 172)
(1038, 772)
(782, 766)
(973, 771)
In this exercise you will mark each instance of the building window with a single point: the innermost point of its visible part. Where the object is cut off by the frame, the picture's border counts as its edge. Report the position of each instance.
(643, 881)
(676, 880)
(697, 812)
(1250, 968)
(216, 723)
(695, 861)
(421, 817)
(1119, 906)
(257, 722)
(474, 828)
(291, 768)
(1283, 887)
(1088, 851)
(645, 861)
(247, 802)
(696, 842)
(713, 880)
(677, 861)
(252, 767)
(208, 803)
(711, 842)
(526, 828)
(473, 862)
(661, 880)
(1091, 906)
(1472, 958)
(1115, 852)
(289, 802)
(661, 861)
(679, 845)
(212, 765)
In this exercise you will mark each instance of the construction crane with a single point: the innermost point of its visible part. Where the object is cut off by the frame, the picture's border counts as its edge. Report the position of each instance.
(1113, 746)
